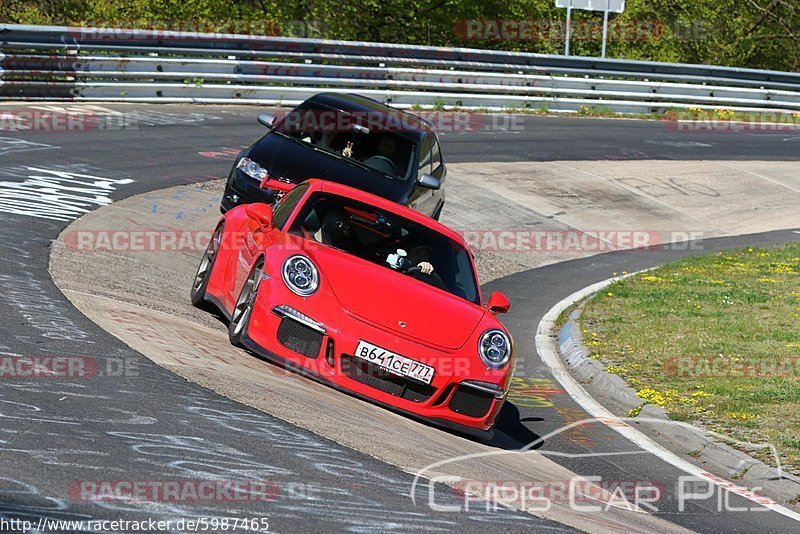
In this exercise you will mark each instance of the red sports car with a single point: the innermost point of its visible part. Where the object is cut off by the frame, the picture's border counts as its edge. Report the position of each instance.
(365, 295)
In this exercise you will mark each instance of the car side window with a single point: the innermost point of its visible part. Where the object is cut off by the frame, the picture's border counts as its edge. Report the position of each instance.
(285, 206)
(425, 156)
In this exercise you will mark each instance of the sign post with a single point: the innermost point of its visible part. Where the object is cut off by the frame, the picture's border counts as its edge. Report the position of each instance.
(606, 6)
(569, 20)
(605, 27)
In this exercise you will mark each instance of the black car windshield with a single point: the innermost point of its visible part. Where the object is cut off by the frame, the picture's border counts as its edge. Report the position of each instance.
(341, 134)
(388, 240)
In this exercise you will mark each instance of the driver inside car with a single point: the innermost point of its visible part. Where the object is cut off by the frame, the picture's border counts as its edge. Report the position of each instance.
(387, 147)
(336, 231)
(403, 260)
(420, 256)
(384, 158)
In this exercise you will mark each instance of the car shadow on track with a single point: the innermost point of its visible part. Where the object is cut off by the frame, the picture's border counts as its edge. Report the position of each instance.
(511, 432)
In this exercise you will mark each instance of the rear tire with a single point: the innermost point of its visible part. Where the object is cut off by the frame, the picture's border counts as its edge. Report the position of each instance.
(240, 317)
(200, 284)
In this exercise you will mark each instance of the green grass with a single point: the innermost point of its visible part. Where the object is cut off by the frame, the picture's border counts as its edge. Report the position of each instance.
(698, 337)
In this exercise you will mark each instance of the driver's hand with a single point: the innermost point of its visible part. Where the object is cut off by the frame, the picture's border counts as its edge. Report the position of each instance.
(348, 150)
(425, 267)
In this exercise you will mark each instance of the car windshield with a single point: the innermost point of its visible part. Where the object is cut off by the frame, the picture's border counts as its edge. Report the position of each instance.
(340, 134)
(389, 240)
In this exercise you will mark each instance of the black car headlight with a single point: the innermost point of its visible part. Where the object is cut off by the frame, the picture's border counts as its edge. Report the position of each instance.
(494, 348)
(300, 275)
(252, 169)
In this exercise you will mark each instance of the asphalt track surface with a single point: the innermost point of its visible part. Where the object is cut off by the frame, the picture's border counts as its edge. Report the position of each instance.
(155, 426)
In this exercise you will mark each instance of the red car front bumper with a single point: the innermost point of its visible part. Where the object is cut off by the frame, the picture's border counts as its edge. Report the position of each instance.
(322, 342)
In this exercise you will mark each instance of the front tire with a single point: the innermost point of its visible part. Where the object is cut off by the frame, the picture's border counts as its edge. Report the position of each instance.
(240, 317)
(200, 284)
(438, 212)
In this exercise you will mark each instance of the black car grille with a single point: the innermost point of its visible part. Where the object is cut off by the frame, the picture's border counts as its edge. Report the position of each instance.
(375, 377)
(299, 338)
(471, 402)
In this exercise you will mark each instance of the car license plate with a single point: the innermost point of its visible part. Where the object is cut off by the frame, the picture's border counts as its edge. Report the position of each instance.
(394, 363)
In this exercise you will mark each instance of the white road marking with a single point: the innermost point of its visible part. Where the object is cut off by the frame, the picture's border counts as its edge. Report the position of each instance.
(678, 144)
(546, 346)
(763, 177)
(626, 187)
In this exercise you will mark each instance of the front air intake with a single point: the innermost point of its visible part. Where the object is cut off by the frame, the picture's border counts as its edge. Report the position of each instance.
(471, 402)
(299, 338)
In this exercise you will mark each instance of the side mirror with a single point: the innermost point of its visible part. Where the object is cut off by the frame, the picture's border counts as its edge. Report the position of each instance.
(261, 213)
(498, 303)
(266, 119)
(429, 181)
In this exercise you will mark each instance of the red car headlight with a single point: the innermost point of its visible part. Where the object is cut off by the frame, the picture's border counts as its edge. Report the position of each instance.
(494, 348)
(300, 275)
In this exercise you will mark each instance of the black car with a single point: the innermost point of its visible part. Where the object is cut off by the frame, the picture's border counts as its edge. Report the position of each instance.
(348, 139)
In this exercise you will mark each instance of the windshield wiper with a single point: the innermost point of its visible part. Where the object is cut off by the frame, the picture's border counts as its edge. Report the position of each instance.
(354, 162)
(339, 156)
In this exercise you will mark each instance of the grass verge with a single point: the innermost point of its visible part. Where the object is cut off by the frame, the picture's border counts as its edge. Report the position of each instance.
(714, 339)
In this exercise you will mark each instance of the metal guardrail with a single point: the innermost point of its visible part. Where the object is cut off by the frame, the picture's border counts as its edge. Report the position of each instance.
(61, 63)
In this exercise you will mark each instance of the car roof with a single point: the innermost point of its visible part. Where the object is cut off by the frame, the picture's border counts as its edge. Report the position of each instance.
(412, 124)
(316, 184)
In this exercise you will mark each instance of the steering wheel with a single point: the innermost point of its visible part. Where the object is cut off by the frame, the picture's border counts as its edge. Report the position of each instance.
(429, 278)
(380, 160)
